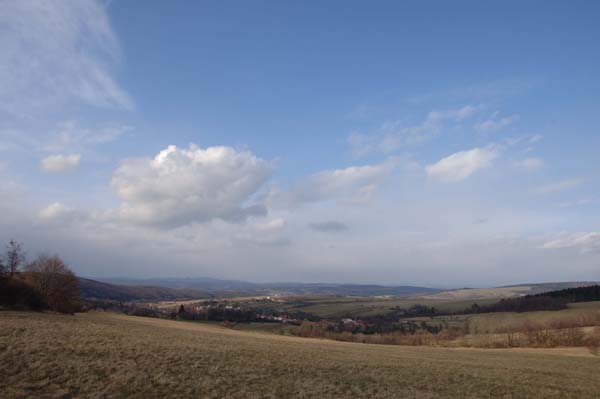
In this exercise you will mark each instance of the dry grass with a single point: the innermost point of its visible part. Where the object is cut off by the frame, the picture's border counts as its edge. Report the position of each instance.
(577, 315)
(113, 356)
(479, 293)
(587, 337)
(328, 307)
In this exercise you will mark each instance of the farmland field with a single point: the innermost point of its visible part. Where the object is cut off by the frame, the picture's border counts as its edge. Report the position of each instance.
(336, 307)
(578, 314)
(582, 314)
(110, 355)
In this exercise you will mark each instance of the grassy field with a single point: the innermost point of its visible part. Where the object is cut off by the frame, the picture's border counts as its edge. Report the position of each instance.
(336, 307)
(580, 314)
(577, 315)
(360, 307)
(478, 293)
(504, 292)
(114, 356)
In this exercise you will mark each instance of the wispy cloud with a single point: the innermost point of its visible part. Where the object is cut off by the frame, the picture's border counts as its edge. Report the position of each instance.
(580, 202)
(60, 214)
(463, 164)
(354, 183)
(71, 136)
(393, 135)
(55, 52)
(558, 186)
(535, 138)
(60, 163)
(584, 241)
(530, 164)
(68, 137)
(495, 123)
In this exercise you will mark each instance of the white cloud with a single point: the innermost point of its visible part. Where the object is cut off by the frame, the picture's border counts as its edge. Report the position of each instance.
(429, 234)
(463, 164)
(53, 210)
(354, 183)
(535, 138)
(584, 241)
(57, 212)
(55, 52)
(557, 186)
(580, 202)
(69, 136)
(393, 135)
(60, 163)
(494, 123)
(72, 136)
(529, 163)
(183, 186)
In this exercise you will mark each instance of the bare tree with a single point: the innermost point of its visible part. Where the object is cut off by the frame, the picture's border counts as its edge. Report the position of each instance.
(2, 267)
(15, 257)
(56, 283)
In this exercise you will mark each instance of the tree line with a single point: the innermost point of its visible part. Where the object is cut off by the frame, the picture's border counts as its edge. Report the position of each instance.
(551, 300)
(44, 283)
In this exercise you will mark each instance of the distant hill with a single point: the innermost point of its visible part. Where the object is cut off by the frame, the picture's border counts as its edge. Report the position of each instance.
(357, 290)
(166, 289)
(91, 289)
(243, 288)
(575, 294)
(505, 291)
(199, 283)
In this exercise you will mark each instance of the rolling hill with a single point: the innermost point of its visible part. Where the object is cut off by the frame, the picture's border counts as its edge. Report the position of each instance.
(505, 291)
(242, 288)
(96, 290)
(108, 355)
(168, 289)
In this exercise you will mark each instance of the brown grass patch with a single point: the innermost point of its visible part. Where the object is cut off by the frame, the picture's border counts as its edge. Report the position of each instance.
(113, 356)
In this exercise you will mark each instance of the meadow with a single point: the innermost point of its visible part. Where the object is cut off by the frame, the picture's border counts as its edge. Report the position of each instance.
(109, 355)
(338, 306)
(582, 314)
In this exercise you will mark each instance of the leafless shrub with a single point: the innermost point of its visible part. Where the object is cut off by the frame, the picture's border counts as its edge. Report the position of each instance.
(593, 342)
(14, 259)
(58, 285)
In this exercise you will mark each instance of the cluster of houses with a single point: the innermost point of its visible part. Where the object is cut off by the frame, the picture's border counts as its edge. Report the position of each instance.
(230, 311)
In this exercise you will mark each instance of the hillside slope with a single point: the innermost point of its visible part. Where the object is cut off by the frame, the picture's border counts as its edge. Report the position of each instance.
(506, 291)
(96, 290)
(109, 355)
(250, 289)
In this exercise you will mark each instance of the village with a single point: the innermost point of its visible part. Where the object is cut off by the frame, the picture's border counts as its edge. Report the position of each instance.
(268, 310)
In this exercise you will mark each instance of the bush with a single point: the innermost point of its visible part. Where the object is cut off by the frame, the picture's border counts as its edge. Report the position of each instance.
(18, 294)
(593, 342)
(57, 284)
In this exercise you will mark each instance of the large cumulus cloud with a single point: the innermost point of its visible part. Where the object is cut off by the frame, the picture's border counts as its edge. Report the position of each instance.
(181, 186)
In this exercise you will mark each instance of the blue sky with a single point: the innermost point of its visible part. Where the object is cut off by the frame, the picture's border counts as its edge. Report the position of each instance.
(432, 142)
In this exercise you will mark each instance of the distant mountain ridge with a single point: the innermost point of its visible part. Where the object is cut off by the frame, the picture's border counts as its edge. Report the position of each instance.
(132, 289)
(167, 289)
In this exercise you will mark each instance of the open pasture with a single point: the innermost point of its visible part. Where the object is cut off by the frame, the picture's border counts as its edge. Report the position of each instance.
(108, 355)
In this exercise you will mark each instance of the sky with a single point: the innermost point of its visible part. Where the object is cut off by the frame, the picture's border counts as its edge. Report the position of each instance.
(435, 143)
